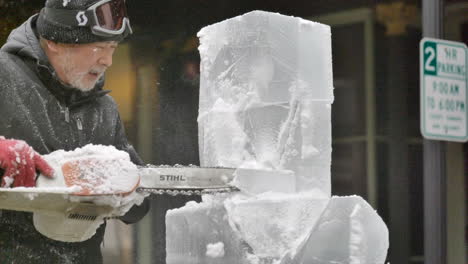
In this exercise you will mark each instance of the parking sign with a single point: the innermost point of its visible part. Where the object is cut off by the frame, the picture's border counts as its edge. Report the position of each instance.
(444, 94)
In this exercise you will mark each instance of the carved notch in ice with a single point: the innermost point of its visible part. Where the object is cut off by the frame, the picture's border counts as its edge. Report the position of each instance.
(265, 93)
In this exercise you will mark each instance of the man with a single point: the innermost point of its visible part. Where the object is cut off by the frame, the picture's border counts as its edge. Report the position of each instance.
(51, 98)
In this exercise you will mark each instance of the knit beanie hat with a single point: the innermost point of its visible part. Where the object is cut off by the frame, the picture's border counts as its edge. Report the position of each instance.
(62, 33)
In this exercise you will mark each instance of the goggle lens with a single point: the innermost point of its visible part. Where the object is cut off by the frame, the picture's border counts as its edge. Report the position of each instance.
(111, 14)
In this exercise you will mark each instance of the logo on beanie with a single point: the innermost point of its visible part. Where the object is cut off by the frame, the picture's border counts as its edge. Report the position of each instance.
(81, 18)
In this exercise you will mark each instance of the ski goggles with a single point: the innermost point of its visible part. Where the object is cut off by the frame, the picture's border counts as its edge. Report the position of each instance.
(106, 18)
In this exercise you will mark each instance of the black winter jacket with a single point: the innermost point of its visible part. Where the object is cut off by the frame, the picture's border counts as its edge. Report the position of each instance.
(39, 109)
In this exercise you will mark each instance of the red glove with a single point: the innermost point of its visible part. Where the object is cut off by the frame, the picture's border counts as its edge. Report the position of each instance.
(20, 162)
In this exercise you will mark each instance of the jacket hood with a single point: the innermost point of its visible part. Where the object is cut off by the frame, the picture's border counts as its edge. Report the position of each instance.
(24, 43)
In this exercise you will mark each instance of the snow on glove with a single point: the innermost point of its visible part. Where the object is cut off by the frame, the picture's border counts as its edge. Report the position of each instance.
(19, 162)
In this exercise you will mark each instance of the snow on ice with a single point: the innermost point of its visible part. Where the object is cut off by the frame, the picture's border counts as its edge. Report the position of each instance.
(215, 250)
(265, 103)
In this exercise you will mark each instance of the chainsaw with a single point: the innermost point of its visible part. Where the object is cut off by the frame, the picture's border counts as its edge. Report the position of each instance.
(71, 209)
(72, 206)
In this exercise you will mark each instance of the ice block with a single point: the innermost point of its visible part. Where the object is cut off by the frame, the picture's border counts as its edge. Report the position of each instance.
(260, 227)
(348, 232)
(260, 181)
(273, 223)
(265, 94)
(192, 229)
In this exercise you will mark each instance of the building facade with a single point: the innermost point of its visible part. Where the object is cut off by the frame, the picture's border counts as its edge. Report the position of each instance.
(378, 150)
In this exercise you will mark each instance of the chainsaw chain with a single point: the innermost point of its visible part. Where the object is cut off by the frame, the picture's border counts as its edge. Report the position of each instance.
(188, 192)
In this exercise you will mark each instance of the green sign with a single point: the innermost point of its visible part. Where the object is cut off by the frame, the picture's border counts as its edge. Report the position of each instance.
(444, 97)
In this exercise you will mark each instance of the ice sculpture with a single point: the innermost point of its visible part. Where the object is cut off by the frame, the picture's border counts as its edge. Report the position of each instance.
(265, 103)
(265, 95)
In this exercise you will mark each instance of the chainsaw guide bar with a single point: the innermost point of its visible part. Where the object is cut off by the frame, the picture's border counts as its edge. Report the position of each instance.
(186, 180)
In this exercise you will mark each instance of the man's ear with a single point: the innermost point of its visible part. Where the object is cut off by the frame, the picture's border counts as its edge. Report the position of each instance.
(50, 45)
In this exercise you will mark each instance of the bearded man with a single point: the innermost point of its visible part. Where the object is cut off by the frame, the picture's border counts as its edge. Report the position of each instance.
(51, 98)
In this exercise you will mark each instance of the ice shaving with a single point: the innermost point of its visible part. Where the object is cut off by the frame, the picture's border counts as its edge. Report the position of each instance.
(103, 170)
(266, 90)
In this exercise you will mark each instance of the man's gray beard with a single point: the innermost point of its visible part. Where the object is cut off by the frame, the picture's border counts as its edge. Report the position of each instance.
(76, 81)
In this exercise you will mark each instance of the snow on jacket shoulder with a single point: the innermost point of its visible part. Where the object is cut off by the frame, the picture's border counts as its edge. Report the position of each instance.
(39, 109)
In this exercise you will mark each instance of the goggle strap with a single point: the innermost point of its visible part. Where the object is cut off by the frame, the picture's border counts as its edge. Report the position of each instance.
(102, 32)
(71, 18)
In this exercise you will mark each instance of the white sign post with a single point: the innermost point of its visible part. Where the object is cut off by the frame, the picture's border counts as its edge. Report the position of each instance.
(444, 97)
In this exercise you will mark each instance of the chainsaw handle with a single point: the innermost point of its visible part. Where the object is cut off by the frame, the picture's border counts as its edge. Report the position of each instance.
(2, 172)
